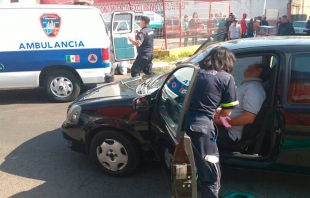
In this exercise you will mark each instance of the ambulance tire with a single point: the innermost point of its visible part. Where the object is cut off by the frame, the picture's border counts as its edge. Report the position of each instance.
(110, 77)
(75, 83)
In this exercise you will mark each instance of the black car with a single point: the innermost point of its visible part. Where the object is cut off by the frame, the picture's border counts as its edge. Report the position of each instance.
(122, 122)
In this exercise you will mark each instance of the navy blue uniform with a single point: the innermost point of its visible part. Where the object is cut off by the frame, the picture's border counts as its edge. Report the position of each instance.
(145, 52)
(213, 89)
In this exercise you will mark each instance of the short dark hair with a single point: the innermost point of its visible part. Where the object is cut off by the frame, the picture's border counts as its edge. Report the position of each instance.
(284, 16)
(146, 19)
(219, 58)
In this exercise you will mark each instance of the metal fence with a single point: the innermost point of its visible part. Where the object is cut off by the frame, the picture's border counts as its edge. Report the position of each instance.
(167, 19)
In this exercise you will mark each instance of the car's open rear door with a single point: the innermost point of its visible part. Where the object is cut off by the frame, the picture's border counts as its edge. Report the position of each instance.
(122, 26)
(183, 164)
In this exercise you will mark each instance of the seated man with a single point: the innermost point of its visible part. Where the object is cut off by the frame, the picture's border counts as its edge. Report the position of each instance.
(251, 95)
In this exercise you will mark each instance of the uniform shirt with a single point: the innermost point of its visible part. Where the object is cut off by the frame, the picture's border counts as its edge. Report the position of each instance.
(213, 89)
(251, 95)
(146, 40)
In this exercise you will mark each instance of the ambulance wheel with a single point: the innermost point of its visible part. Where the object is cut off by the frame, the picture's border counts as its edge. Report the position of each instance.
(110, 76)
(62, 86)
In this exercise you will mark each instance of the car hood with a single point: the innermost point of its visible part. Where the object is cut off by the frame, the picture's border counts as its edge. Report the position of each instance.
(123, 88)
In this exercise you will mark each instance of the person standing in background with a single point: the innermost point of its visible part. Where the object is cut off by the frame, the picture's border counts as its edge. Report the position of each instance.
(234, 31)
(264, 21)
(144, 42)
(250, 28)
(185, 29)
(194, 24)
(227, 25)
(278, 25)
(243, 26)
(286, 28)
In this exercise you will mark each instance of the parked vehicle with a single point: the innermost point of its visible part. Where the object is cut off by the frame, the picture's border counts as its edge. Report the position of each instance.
(121, 122)
(173, 25)
(263, 31)
(300, 27)
(156, 21)
(56, 47)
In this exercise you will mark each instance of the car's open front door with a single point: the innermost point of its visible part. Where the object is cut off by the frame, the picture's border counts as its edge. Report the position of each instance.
(122, 26)
(180, 87)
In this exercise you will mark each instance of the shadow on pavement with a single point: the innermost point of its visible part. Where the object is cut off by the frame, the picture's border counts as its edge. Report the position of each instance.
(69, 174)
(30, 96)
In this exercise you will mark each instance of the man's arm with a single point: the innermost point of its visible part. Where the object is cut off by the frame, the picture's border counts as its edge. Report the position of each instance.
(241, 120)
(134, 42)
(228, 34)
(240, 32)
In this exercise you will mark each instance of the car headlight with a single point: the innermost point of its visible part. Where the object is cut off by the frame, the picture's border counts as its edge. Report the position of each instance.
(73, 114)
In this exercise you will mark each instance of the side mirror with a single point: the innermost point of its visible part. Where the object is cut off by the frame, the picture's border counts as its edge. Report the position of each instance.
(142, 103)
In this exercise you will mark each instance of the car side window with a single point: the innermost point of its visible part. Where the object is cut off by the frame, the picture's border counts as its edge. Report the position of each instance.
(172, 97)
(299, 86)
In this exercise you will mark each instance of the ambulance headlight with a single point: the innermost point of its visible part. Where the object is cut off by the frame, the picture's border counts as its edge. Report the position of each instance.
(73, 114)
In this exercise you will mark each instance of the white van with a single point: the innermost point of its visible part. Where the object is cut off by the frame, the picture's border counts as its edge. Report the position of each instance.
(57, 47)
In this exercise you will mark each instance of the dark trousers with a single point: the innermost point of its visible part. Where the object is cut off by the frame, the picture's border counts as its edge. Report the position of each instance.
(203, 136)
(143, 62)
(223, 134)
(209, 173)
(250, 35)
(186, 33)
(194, 38)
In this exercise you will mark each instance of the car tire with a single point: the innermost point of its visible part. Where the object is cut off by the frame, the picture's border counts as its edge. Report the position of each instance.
(62, 86)
(114, 153)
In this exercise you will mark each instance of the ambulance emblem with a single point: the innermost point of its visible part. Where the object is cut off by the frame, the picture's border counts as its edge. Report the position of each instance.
(50, 24)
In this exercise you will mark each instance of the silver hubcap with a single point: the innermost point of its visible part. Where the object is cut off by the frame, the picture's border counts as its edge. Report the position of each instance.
(112, 155)
(61, 87)
(168, 158)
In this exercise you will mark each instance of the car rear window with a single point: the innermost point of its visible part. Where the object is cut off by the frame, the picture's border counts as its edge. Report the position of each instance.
(299, 87)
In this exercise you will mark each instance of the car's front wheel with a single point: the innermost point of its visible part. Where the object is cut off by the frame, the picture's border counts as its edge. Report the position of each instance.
(114, 153)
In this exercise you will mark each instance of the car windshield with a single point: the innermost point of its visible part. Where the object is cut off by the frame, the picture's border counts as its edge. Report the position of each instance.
(152, 84)
(299, 24)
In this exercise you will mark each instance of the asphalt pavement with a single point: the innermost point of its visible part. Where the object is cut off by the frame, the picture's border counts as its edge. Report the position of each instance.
(36, 162)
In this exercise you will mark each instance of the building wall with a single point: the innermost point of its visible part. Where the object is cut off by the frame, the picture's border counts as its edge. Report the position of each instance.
(256, 7)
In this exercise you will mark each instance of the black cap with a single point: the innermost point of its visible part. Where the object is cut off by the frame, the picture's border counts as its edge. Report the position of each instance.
(235, 19)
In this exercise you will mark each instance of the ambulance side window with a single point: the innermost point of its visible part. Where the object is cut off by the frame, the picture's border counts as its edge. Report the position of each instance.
(122, 22)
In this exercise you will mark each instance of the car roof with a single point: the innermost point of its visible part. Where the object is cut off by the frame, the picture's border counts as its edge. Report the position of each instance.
(269, 41)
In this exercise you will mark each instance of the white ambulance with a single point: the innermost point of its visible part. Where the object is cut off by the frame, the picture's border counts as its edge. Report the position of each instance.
(57, 47)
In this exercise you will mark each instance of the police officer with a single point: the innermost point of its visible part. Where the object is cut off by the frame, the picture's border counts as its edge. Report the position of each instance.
(215, 87)
(144, 42)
